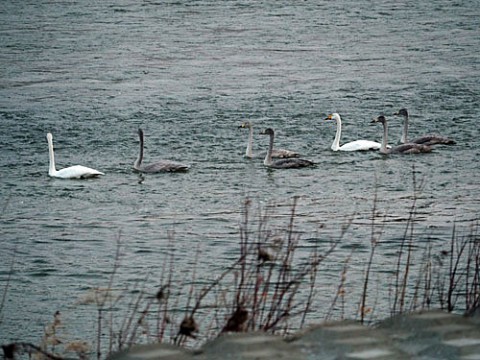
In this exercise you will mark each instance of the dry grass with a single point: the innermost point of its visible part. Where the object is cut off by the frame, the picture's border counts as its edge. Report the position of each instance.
(271, 286)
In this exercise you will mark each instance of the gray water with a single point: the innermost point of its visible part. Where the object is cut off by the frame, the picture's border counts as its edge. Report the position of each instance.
(188, 73)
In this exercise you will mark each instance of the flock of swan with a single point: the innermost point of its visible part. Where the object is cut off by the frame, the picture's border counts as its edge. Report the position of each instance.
(274, 158)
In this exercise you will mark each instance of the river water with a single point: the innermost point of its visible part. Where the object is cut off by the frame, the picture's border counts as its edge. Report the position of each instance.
(188, 73)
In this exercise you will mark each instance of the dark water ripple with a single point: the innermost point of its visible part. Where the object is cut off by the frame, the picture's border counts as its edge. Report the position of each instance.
(189, 73)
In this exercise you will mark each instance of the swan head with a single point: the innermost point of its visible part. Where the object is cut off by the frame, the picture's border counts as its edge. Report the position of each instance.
(245, 125)
(401, 112)
(379, 119)
(333, 116)
(49, 137)
(268, 131)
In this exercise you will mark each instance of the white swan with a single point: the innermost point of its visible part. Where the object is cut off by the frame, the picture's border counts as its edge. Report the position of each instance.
(357, 145)
(159, 166)
(281, 163)
(430, 139)
(276, 153)
(72, 172)
(409, 148)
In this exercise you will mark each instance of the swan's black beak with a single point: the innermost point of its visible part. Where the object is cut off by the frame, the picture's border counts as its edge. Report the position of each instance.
(374, 120)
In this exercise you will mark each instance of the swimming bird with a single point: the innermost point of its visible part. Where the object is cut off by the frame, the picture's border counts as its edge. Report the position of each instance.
(357, 145)
(287, 163)
(430, 139)
(159, 166)
(72, 172)
(276, 153)
(409, 148)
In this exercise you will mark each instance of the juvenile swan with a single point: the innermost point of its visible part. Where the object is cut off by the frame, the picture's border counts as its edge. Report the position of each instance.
(430, 139)
(159, 166)
(276, 153)
(72, 172)
(281, 163)
(409, 148)
(357, 145)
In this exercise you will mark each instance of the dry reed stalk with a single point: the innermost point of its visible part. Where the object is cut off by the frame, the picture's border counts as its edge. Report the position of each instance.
(457, 251)
(472, 298)
(7, 283)
(100, 302)
(10, 269)
(129, 333)
(340, 293)
(268, 278)
(373, 246)
(311, 293)
(163, 296)
(402, 275)
(424, 275)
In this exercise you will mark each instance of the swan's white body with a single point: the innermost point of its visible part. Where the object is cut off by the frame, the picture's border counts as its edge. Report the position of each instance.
(357, 145)
(276, 153)
(430, 139)
(410, 148)
(286, 163)
(72, 172)
(159, 166)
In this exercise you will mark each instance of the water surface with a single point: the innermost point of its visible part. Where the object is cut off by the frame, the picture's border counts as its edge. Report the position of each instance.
(189, 73)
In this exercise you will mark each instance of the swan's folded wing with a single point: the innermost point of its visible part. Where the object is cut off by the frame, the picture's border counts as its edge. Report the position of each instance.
(433, 139)
(164, 165)
(411, 148)
(283, 153)
(77, 172)
(360, 145)
(291, 163)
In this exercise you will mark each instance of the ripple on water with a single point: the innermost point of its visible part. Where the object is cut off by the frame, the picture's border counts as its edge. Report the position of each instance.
(282, 67)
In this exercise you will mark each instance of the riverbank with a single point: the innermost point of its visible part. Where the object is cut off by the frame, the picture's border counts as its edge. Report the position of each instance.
(421, 335)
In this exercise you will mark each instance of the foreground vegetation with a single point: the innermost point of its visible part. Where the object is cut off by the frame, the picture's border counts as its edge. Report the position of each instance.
(271, 286)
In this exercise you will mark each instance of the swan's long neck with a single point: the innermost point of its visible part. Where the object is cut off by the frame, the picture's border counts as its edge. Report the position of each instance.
(139, 160)
(338, 134)
(268, 157)
(51, 156)
(383, 147)
(248, 152)
(403, 140)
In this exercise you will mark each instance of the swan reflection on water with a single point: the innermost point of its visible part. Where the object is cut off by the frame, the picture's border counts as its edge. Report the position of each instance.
(158, 166)
(72, 172)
